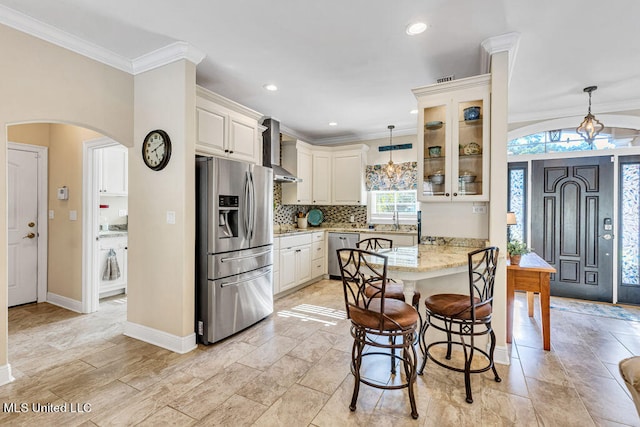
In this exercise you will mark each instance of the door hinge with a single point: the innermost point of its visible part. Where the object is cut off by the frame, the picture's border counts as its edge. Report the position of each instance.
(200, 327)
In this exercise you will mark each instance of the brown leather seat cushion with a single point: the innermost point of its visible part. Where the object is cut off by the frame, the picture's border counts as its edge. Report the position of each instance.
(399, 315)
(456, 306)
(391, 291)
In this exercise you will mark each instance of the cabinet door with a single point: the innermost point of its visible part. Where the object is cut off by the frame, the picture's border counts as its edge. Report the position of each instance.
(348, 179)
(305, 171)
(113, 171)
(287, 269)
(303, 264)
(211, 131)
(243, 139)
(455, 142)
(321, 182)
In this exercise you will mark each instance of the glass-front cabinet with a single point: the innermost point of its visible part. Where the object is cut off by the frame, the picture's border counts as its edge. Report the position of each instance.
(454, 140)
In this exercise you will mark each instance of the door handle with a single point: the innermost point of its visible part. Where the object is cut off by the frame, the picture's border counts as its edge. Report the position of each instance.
(30, 236)
(607, 236)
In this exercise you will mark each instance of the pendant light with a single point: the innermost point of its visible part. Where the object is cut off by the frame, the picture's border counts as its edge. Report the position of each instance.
(590, 126)
(390, 168)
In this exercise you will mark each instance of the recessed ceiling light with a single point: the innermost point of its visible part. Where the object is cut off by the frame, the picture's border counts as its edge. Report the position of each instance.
(416, 28)
(333, 124)
(413, 112)
(270, 87)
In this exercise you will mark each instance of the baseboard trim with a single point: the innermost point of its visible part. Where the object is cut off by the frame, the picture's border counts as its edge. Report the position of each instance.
(501, 355)
(64, 302)
(5, 374)
(162, 339)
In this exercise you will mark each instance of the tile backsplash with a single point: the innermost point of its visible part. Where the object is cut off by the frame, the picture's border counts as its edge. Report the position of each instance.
(286, 214)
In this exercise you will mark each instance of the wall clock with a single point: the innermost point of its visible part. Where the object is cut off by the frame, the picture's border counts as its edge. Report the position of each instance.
(156, 149)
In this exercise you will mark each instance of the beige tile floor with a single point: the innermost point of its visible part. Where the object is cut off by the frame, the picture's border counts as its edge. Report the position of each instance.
(292, 369)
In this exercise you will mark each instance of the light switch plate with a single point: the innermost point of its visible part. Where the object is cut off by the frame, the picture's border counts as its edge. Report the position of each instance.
(73, 215)
(51, 214)
(122, 212)
(171, 217)
(479, 209)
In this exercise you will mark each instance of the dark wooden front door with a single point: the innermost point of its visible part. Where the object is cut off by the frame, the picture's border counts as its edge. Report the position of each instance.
(572, 215)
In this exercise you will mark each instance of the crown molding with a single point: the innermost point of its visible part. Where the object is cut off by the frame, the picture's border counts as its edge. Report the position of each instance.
(166, 55)
(207, 95)
(459, 84)
(163, 56)
(504, 43)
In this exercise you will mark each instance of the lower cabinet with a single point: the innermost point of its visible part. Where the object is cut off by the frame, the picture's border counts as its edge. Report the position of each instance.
(318, 250)
(113, 265)
(298, 259)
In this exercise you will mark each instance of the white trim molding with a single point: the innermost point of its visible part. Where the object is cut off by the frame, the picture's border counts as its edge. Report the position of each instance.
(64, 302)
(504, 43)
(501, 355)
(163, 56)
(5, 374)
(160, 338)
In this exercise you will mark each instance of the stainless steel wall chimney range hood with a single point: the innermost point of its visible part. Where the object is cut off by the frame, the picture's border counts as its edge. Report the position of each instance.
(271, 152)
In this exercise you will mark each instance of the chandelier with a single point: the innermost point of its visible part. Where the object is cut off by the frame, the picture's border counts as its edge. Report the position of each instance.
(390, 169)
(590, 126)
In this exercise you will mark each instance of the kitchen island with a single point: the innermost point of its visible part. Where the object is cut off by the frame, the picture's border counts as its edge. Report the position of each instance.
(413, 263)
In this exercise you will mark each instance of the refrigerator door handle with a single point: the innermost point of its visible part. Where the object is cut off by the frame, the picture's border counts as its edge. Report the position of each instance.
(252, 213)
(235, 258)
(237, 282)
(245, 213)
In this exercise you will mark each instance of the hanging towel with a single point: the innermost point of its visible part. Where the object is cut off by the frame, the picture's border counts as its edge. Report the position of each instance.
(111, 269)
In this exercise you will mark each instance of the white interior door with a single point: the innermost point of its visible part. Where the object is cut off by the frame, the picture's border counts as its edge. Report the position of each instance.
(22, 226)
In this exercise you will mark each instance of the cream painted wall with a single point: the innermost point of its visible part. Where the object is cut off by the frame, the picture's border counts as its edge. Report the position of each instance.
(161, 255)
(32, 133)
(46, 83)
(65, 168)
(65, 235)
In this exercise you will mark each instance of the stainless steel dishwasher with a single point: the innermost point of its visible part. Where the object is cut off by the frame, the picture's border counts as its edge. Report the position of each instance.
(339, 241)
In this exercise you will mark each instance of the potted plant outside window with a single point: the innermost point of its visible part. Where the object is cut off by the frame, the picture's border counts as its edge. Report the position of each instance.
(516, 249)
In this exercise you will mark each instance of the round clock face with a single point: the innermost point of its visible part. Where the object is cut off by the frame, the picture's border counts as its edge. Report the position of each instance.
(156, 149)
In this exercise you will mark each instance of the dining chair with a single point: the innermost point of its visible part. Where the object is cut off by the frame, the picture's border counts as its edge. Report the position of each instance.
(466, 316)
(379, 325)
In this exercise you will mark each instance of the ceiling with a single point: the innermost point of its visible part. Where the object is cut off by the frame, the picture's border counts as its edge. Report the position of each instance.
(351, 62)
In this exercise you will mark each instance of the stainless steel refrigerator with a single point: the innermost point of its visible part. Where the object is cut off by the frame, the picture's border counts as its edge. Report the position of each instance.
(234, 246)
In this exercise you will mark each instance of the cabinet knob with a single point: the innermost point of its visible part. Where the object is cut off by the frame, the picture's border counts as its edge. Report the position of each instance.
(231, 152)
(446, 194)
(455, 194)
(226, 151)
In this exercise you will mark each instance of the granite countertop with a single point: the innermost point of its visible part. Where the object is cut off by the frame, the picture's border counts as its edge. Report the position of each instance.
(112, 233)
(425, 258)
(340, 230)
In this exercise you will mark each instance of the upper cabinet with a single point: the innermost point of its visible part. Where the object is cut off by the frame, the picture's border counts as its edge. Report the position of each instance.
(348, 186)
(330, 175)
(227, 129)
(454, 140)
(113, 172)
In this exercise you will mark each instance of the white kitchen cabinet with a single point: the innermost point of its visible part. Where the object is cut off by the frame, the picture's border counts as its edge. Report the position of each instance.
(330, 175)
(119, 246)
(227, 129)
(321, 181)
(318, 257)
(452, 144)
(295, 261)
(112, 171)
(349, 177)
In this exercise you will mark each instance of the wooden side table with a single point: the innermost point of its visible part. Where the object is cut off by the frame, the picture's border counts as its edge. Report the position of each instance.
(532, 276)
